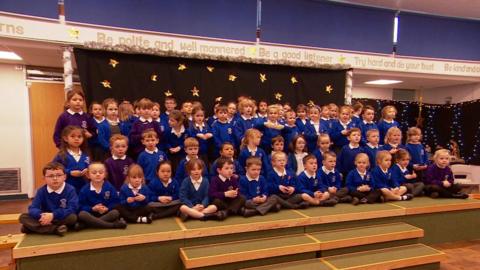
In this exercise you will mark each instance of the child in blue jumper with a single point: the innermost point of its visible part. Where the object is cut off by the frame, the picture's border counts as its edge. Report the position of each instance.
(367, 122)
(202, 132)
(372, 146)
(390, 188)
(333, 179)
(174, 136)
(53, 209)
(151, 156)
(270, 127)
(387, 121)
(222, 129)
(191, 147)
(250, 148)
(360, 182)
(165, 200)
(311, 186)
(245, 121)
(228, 151)
(405, 176)
(346, 158)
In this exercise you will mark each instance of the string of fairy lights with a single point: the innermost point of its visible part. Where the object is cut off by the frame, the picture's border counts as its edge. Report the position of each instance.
(456, 128)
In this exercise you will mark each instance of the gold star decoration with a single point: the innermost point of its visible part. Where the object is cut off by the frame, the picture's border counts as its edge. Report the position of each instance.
(195, 92)
(210, 68)
(106, 84)
(232, 77)
(168, 93)
(329, 89)
(341, 59)
(113, 63)
(153, 77)
(293, 80)
(182, 67)
(310, 103)
(278, 96)
(218, 99)
(263, 77)
(74, 33)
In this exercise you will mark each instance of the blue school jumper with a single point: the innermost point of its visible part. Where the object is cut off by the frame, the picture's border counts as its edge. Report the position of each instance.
(191, 197)
(60, 204)
(346, 158)
(301, 124)
(383, 179)
(418, 154)
(357, 120)
(268, 134)
(251, 188)
(241, 125)
(388, 147)
(289, 133)
(319, 155)
(127, 191)
(172, 140)
(364, 127)
(222, 133)
(89, 197)
(311, 134)
(195, 129)
(181, 172)
(158, 189)
(398, 174)
(371, 152)
(384, 126)
(338, 138)
(287, 178)
(104, 133)
(309, 184)
(245, 154)
(326, 124)
(149, 161)
(354, 180)
(71, 164)
(330, 178)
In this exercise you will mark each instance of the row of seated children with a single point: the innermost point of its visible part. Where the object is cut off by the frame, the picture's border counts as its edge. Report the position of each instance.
(55, 207)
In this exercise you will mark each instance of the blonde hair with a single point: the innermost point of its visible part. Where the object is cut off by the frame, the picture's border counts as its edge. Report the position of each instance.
(386, 108)
(322, 136)
(135, 170)
(345, 108)
(246, 102)
(412, 132)
(277, 155)
(370, 131)
(362, 156)
(440, 152)
(190, 142)
(353, 130)
(273, 107)
(125, 110)
(249, 134)
(118, 137)
(253, 161)
(391, 131)
(149, 133)
(381, 155)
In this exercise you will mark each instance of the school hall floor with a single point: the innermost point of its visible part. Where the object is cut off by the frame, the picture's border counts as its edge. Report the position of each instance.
(460, 255)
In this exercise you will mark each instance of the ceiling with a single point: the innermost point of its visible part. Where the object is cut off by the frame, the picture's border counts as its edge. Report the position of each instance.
(450, 8)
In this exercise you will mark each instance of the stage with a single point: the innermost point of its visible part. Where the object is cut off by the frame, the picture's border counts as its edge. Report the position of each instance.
(389, 235)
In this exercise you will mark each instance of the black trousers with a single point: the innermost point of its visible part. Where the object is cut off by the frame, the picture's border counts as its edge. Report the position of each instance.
(414, 188)
(289, 201)
(96, 220)
(443, 192)
(162, 210)
(372, 196)
(32, 225)
(232, 205)
(131, 214)
(263, 208)
(340, 194)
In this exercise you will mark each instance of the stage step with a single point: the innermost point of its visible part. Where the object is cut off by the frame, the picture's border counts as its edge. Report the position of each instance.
(389, 258)
(231, 252)
(9, 218)
(10, 241)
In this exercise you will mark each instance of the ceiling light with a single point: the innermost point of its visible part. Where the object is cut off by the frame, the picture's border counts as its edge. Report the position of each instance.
(9, 55)
(383, 82)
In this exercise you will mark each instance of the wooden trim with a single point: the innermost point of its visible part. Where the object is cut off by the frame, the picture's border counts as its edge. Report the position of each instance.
(301, 214)
(9, 218)
(328, 264)
(10, 241)
(277, 265)
(442, 208)
(180, 224)
(357, 216)
(475, 196)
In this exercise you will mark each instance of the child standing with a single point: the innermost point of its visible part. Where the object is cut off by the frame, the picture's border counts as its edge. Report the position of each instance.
(372, 146)
(313, 128)
(254, 187)
(270, 127)
(325, 119)
(117, 165)
(245, 121)
(227, 151)
(186, 109)
(199, 129)
(143, 123)
(391, 189)
(165, 200)
(323, 146)
(298, 150)
(312, 188)
(360, 182)
(96, 150)
(73, 156)
(333, 179)
(250, 148)
(134, 197)
(301, 120)
(74, 116)
(53, 209)
(262, 109)
(346, 158)
(402, 175)
(387, 121)
(340, 128)
(291, 130)
(194, 194)
(439, 180)
(222, 129)
(191, 146)
(170, 104)
(367, 122)
(112, 125)
(174, 137)
(151, 156)
(98, 200)
(224, 189)
(419, 157)
(357, 109)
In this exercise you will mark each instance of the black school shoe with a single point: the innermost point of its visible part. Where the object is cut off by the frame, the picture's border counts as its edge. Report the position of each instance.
(61, 230)
(328, 203)
(460, 195)
(246, 212)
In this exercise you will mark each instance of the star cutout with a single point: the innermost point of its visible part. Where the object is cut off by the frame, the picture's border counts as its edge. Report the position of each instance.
(310, 103)
(278, 96)
(182, 67)
(153, 77)
(232, 77)
(329, 89)
(263, 77)
(218, 99)
(74, 33)
(113, 63)
(195, 92)
(106, 84)
(168, 93)
(293, 80)
(210, 68)
(341, 59)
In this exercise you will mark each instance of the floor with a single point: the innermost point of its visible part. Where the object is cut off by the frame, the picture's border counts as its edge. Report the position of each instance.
(461, 255)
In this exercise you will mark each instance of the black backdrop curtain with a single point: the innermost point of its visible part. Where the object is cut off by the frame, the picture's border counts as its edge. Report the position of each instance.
(129, 77)
(442, 123)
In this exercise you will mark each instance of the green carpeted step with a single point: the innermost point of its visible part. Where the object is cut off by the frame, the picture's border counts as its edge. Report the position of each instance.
(389, 258)
(313, 264)
(208, 255)
(366, 235)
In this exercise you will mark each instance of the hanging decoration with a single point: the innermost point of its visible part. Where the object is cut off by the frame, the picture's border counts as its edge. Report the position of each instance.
(106, 84)
(232, 77)
(195, 91)
(182, 67)
(263, 77)
(293, 80)
(210, 68)
(168, 93)
(329, 89)
(278, 96)
(113, 63)
(153, 78)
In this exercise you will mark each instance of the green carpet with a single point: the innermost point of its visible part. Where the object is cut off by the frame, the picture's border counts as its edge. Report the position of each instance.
(379, 256)
(346, 209)
(161, 225)
(426, 201)
(300, 265)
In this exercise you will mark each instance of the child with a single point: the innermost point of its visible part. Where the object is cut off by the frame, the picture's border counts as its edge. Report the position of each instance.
(96, 110)
(191, 146)
(298, 150)
(151, 156)
(387, 121)
(156, 116)
(414, 146)
(312, 188)
(170, 104)
(231, 112)
(222, 129)
(402, 175)
(53, 209)
(134, 197)
(164, 201)
(98, 153)
(391, 189)
(227, 151)
(367, 122)
(269, 127)
(262, 109)
(98, 200)
(112, 125)
(194, 194)
(125, 115)
(301, 120)
(224, 189)
(283, 183)
(346, 158)
(277, 147)
(314, 127)
(340, 128)
(174, 137)
(323, 144)
(117, 165)
(186, 109)
(393, 141)
(357, 110)
(73, 156)
(254, 187)
(250, 148)
(439, 180)
(372, 146)
(74, 116)
(332, 179)
(360, 182)
(325, 120)
(143, 123)
(199, 129)
(291, 130)
(245, 121)
(333, 108)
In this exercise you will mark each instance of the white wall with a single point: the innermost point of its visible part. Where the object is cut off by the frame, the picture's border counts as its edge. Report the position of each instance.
(458, 93)
(372, 92)
(15, 142)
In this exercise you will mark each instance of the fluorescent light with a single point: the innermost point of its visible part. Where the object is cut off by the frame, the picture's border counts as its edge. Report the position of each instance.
(9, 55)
(395, 29)
(383, 82)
